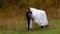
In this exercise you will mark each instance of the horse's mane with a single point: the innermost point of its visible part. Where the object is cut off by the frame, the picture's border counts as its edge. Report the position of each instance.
(34, 9)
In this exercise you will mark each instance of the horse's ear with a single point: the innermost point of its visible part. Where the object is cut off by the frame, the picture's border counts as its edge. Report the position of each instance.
(26, 10)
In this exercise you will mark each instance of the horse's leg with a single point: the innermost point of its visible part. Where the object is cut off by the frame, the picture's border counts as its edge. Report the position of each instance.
(28, 24)
(42, 26)
(46, 26)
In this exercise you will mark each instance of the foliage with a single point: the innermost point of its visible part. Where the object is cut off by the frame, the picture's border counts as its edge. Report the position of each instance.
(24, 3)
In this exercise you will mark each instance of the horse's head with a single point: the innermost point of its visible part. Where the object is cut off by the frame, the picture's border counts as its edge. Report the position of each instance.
(29, 13)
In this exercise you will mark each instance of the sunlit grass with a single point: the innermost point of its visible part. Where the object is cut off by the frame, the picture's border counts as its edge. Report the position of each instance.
(54, 28)
(13, 21)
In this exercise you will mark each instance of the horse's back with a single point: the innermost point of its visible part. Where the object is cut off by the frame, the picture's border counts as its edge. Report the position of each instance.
(39, 16)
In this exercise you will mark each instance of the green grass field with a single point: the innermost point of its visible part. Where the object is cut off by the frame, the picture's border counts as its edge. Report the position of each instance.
(16, 24)
(13, 20)
(54, 28)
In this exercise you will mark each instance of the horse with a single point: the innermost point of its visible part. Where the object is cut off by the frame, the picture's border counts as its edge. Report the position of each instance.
(38, 16)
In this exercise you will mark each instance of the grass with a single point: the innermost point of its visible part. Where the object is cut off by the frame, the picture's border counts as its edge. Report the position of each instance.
(54, 28)
(16, 24)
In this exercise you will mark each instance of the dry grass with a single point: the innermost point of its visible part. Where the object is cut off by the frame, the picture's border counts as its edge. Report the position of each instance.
(14, 18)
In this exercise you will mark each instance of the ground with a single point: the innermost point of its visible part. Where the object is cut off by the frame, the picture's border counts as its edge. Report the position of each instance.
(54, 28)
